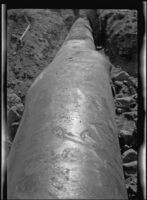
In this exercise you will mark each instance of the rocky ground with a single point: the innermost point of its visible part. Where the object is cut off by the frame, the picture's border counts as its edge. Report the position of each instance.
(125, 99)
(28, 53)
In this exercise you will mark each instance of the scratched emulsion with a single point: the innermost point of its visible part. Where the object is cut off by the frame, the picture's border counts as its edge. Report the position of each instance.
(66, 146)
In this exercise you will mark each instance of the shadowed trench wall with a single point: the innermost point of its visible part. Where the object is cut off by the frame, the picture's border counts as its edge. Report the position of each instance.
(66, 146)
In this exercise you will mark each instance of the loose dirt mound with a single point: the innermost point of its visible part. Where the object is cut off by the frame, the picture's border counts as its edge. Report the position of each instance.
(118, 35)
(26, 59)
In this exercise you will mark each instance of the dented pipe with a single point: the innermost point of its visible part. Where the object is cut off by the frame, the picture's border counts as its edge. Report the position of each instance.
(66, 146)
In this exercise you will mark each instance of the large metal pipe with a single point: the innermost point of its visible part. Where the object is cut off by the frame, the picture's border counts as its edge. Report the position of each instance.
(66, 146)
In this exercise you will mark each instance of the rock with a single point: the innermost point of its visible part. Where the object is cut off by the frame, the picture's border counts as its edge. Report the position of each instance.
(125, 79)
(121, 76)
(134, 97)
(125, 91)
(12, 132)
(11, 84)
(13, 119)
(99, 48)
(14, 53)
(118, 83)
(13, 99)
(131, 180)
(132, 90)
(130, 168)
(120, 95)
(125, 82)
(124, 148)
(130, 86)
(129, 156)
(19, 108)
(14, 38)
(19, 93)
(13, 115)
(119, 111)
(134, 82)
(135, 120)
(135, 108)
(133, 105)
(125, 136)
(131, 188)
(130, 115)
(131, 183)
(12, 123)
(124, 101)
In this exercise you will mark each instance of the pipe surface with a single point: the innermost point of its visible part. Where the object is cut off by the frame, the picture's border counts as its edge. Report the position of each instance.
(66, 146)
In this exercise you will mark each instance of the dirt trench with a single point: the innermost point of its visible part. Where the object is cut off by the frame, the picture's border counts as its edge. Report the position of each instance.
(37, 49)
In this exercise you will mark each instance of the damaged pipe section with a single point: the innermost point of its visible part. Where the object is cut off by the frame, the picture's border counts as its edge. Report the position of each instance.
(66, 146)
